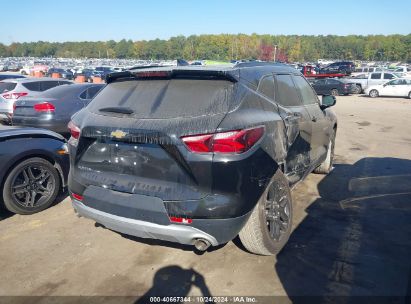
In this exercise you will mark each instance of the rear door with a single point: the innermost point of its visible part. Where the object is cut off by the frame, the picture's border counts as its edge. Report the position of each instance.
(320, 125)
(298, 124)
(375, 79)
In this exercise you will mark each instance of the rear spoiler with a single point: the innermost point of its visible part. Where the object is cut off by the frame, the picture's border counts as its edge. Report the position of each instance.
(171, 74)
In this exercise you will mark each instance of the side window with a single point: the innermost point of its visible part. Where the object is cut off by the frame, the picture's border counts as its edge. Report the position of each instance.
(320, 82)
(32, 86)
(94, 90)
(286, 91)
(388, 76)
(45, 85)
(84, 94)
(332, 81)
(376, 76)
(266, 87)
(308, 95)
(90, 92)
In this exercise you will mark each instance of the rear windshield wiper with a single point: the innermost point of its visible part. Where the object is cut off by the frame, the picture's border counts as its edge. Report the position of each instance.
(121, 110)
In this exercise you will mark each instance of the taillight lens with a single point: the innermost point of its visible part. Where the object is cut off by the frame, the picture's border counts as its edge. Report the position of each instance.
(237, 141)
(77, 197)
(74, 130)
(45, 107)
(180, 220)
(14, 95)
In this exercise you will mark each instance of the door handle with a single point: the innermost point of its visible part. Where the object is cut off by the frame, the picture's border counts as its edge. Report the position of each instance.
(293, 115)
(314, 119)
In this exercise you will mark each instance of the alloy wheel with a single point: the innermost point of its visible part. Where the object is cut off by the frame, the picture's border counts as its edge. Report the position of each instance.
(32, 186)
(277, 211)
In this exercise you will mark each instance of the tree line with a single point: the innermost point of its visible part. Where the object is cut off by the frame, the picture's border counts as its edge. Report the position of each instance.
(290, 48)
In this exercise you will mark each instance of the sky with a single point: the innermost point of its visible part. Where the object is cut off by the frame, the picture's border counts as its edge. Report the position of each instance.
(92, 20)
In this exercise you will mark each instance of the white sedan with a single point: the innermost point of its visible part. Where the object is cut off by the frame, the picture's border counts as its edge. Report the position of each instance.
(397, 87)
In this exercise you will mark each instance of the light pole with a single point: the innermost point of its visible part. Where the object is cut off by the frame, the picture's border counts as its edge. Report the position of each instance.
(275, 52)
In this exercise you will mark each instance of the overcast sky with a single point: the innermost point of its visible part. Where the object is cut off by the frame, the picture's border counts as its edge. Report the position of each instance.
(76, 20)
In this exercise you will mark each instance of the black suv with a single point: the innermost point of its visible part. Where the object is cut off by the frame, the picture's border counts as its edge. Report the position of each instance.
(345, 67)
(199, 155)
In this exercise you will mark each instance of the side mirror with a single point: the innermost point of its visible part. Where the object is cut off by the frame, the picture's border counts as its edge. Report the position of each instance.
(327, 101)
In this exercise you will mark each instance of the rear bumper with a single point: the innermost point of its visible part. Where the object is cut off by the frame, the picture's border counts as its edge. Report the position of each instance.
(177, 233)
(39, 122)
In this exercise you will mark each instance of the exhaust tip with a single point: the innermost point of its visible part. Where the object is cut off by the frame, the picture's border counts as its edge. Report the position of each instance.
(201, 244)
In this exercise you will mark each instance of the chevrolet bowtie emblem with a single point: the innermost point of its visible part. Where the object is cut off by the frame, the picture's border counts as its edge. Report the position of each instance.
(118, 134)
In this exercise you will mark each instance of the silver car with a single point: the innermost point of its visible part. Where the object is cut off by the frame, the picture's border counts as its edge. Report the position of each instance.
(12, 89)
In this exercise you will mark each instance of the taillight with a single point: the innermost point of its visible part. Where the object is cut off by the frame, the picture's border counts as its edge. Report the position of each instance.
(180, 220)
(237, 141)
(74, 130)
(77, 197)
(44, 107)
(14, 95)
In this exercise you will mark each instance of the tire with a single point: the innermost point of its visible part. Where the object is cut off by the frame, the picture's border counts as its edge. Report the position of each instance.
(358, 89)
(409, 95)
(33, 177)
(334, 92)
(257, 235)
(326, 166)
(373, 93)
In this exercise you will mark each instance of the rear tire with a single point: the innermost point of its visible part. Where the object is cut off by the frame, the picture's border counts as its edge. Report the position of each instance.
(409, 95)
(358, 89)
(269, 226)
(374, 93)
(31, 186)
(326, 166)
(334, 92)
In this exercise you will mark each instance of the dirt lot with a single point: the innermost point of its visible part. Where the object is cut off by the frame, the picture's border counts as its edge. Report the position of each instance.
(352, 233)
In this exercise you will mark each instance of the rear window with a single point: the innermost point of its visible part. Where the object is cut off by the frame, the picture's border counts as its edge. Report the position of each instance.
(6, 87)
(32, 86)
(166, 98)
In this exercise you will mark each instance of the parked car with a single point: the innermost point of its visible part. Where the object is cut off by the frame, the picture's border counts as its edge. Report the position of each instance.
(10, 76)
(397, 87)
(87, 73)
(53, 108)
(366, 70)
(103, 71)
(198, 155)
(13, 89)
(34, 165)
(66, 74)
(361, 84)
(332, 86)
(345, 67)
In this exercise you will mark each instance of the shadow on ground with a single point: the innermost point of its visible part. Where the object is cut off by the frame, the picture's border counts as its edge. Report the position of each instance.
(174, 281)
(355, 239)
